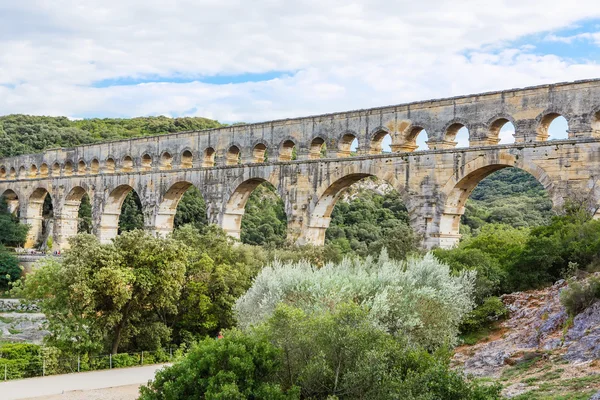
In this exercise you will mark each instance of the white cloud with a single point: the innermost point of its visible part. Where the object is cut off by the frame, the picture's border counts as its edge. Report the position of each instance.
(346, 55)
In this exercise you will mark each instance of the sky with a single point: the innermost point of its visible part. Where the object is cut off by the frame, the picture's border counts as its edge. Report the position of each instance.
(269, 59)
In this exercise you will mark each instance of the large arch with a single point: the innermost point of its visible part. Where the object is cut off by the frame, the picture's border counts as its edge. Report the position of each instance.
(231, 220)
(165, 217)
(33, 216)
(327, 196)
(67, 220)
(458, 189)
(109, 220)
(12, 201)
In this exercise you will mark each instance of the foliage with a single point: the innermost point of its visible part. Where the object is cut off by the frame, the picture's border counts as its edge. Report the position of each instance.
(238, 366)
(264, 221)
(11, 232)
(580, 295)
(417, 298)
(25, 134)
(21, 360)
(214, 279)
(491, 310)
(84, 216)
(368, 222)
(191, 210)
(131, 217)
(510, 196)
(10, 271)
(337, 354)
(102, 296)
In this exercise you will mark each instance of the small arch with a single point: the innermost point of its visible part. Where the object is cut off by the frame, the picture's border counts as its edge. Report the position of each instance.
(81, 167)
(457, 132)
(95, 166)
(416, 139)
(44, 170)
(209, 158)
(56, 169)
(348, 144)
(187, 159)
(596, 121)
(109, 165)
(233, 156)
(22, 173)
(166, 161)
(3, 172)
(68, 171)
(552, 125)
(287, 150)
(13, 173)
(318, 149)
(380, 142)
(127, 164)
(259, 153)
(33, 171)
(502, 131)
(146, 162)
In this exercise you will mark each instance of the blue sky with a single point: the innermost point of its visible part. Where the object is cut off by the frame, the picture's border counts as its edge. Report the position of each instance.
(277, 59)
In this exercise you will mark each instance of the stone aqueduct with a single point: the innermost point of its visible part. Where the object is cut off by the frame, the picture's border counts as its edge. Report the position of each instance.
(226, 164)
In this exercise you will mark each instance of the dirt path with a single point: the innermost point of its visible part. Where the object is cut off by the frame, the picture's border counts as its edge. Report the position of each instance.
(115, 384)
(129, 392)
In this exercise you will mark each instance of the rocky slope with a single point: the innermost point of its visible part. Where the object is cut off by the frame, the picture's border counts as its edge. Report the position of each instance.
(539, 352)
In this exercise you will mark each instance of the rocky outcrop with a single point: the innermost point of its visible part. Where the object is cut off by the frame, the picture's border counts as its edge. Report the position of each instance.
(15, 305)
(538, 326)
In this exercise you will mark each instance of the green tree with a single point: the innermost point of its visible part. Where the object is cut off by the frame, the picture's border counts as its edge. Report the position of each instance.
(12, 233)
(191, 210)
(236, 367)
(10, 271)
(131, 213)
(213, 282)
(101, 296)
(264, 221)
(84, 216)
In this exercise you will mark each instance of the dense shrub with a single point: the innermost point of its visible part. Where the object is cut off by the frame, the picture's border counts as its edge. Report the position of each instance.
(491, 310)
(10, 271)
(579, 295)
(418, 298)
(239, 366)
(338, 354)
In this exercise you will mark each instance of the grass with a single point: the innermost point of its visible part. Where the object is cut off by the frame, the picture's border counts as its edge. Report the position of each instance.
(472, 338)
(5, 320)
(14, 331)
(567, 389)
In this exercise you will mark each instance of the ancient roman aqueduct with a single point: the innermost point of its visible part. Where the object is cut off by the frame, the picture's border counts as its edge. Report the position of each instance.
(226, 164)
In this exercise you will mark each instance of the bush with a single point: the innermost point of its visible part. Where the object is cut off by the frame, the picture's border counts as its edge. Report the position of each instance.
(418, 298)
(22, 360)
(580, 295)
(239, 366)
(330, 355)
(491, 310)
(10, 271)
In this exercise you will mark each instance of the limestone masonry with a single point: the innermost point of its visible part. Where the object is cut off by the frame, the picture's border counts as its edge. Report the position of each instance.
(226, 164)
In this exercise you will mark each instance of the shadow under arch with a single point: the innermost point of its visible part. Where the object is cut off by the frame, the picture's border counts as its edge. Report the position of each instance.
(231, 221)
(459, 188)
(111, 213)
